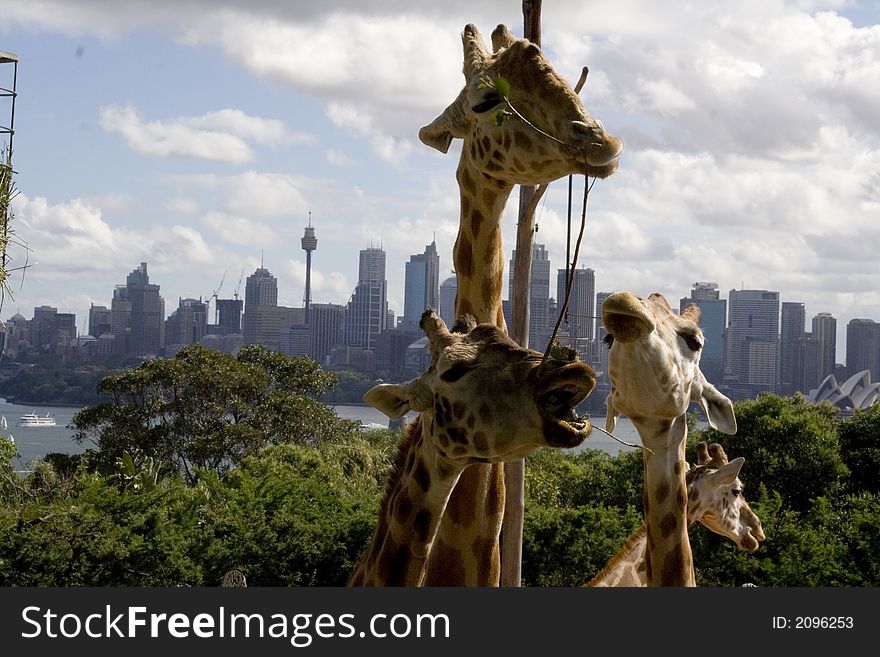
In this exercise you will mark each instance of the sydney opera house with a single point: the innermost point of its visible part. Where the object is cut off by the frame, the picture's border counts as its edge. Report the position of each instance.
(856, 393)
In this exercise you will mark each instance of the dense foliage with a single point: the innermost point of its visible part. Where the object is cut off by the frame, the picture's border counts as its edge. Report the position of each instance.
(292, 502)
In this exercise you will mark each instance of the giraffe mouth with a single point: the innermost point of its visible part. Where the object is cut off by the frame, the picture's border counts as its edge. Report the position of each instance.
(562, 426)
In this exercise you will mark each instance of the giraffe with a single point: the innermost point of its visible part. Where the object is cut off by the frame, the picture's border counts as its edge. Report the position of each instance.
(493, 159)
(483, 399)
(715, 498)
(654, 369)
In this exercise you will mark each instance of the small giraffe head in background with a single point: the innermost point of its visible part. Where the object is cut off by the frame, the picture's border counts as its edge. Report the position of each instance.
(511, 150)
(486, 399)
(715, 498)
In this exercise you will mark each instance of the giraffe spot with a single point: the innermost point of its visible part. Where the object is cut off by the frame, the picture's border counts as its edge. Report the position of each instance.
(457, 435)
(673, 568)
(443, 439)
(462, 515)
(473, 150)
(450, 558)
(489, 198)
(464, 257)
(468, 183)
(421, 525)
(491, 291)
(477, 219)
(681, 499)
(471, 421)
(668, 524)
(459, 450)
(485, 414)
(662, 492)
(480, 548)
(523, 142)
(459, 409)
(465, 206)
(398, 563)
(498, 155)
(422, 477)
(480, 442)
(486, 143)
(403, 509)
(493, 167)
(677, 468)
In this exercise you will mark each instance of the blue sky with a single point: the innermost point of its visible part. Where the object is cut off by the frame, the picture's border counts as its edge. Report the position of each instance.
(199, 138)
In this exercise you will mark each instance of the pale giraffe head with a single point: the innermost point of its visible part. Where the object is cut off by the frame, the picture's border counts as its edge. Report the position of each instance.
(654, 363)
(513, 151)
(715, 498)
(486, 399)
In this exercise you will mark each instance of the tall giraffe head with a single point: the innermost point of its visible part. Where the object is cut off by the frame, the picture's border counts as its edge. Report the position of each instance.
(654, 362)
(512, 151)
(486, 399)
(715, 498)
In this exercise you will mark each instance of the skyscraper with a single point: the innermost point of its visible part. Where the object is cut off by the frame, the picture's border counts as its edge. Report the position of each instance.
(261, 321)
(581, 312)
(863, 347)
(367, 311)
(99, 320)
(713, 320)
(793, 329)
(260, 289)
(421, 285)
(229, 311)
(753, 341)
(825, 332)
(540, 324)
(147, 313)
(448, 290)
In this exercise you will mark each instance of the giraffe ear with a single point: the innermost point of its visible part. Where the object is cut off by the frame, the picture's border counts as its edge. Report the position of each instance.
(718, 409)
(396, 400)
(611, 415)
(727, 473)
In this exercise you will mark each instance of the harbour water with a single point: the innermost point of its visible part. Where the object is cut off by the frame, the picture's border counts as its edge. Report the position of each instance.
(34, 443)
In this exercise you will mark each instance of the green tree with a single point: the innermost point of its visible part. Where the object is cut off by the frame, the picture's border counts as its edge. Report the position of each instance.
(860, 449)
(207, 410)
(790, 445)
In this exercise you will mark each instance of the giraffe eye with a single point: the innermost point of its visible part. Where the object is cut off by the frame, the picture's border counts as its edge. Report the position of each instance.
(737, 492)
(455, 372)
(490, 101)
(691, 340)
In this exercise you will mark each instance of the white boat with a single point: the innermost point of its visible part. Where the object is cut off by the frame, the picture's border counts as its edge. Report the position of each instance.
(33, 420)
(4, 430)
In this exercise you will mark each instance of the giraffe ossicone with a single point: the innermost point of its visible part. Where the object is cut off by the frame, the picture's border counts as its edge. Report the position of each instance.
(484, 399)
(653, 364)
(715, 499)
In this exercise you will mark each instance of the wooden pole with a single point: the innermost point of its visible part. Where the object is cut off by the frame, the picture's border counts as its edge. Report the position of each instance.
(514, 472)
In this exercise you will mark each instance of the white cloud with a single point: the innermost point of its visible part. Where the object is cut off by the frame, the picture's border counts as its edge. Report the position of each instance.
(239, 230)
(182, 205)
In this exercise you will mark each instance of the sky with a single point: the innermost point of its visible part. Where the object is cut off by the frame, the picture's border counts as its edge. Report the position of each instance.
(201, 137)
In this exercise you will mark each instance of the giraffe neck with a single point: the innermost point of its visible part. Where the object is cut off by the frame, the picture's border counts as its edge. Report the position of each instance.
(467, 550)
(415, 500)
(627, 567)
(669, 559)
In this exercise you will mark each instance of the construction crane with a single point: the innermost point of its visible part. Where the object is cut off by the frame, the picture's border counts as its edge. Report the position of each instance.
(235, 295)
(213, 296)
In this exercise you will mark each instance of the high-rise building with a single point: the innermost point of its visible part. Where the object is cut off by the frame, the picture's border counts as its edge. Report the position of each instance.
(753, 341)
(805, 366)
(99, 320)
(147, 313)
(229, 313)
(367, 311)
(713, 323)
(421, 285)
(793, 329)
(540, 323)
(261, 322)
(325, 329)
(43, 328)
(448, 290)
(825, 332)
(581, 312)
(863, 347)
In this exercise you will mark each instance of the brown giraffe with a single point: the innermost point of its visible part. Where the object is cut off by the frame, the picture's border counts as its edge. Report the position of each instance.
(654, 369)
(483, 399)
(493, 159)
(715, 498)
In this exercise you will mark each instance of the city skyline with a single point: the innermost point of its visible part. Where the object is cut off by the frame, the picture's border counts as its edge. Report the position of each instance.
(261, 286)
(750, 131)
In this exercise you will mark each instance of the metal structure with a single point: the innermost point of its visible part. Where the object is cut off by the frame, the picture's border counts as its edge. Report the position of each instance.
(213, 296)
(309, 244)
(6, 171)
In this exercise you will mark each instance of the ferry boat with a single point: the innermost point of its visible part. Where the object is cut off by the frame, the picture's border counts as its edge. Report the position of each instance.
(33, 420)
